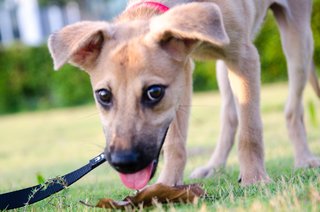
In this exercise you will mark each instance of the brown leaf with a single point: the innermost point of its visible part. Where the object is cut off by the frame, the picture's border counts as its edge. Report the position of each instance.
(159, 193)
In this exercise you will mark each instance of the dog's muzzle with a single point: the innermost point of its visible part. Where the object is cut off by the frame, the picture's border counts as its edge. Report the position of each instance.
(128, 162)
(137, 166)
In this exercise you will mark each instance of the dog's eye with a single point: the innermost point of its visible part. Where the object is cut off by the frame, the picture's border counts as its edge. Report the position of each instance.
(104, 97)
(153, 95)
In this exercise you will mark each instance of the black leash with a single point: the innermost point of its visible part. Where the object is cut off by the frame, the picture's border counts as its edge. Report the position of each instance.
(28, 196)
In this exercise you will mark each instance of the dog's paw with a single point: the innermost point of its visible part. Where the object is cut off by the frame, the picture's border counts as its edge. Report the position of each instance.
(254, 181)
(171, 180)
(308, 162)
(202, 172)
(247, 180)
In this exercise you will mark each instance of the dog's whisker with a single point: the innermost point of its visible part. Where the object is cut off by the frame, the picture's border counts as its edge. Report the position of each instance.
(90, 115)
(99, 147)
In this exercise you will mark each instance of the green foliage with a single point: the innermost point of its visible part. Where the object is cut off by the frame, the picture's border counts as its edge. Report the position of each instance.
(315, 23)
(28, 82)
(312, 113)
(40, 178)
(204, 76)
(53, 2)
(273, 64)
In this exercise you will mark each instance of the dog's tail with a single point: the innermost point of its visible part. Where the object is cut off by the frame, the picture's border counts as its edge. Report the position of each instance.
(313, 79)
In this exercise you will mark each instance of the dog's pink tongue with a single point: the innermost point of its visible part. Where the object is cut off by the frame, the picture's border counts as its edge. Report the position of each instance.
(137, 180)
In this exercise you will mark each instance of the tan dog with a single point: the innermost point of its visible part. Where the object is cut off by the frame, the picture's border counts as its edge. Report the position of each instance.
(140, 68)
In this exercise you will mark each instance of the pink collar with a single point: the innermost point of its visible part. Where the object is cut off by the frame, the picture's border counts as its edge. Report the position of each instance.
(151, 4)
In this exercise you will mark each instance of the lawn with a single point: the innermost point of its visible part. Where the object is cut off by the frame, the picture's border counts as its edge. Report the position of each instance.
(52, 143)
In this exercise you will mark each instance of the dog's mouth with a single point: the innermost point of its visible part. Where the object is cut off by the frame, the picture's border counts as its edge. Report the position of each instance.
(139, 171)
(139, 179)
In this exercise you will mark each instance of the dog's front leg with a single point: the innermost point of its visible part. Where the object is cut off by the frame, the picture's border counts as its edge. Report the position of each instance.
(229, 124)
(244, 75)
(175, 155)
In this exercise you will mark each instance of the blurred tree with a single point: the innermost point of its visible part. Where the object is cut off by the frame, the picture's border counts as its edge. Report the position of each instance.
(55, 2)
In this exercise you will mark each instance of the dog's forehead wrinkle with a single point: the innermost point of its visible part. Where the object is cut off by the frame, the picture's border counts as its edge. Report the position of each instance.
(120, 55)
(129, 55)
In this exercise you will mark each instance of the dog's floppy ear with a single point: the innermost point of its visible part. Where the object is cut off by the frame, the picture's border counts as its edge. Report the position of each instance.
(80, 43)
(188, 27)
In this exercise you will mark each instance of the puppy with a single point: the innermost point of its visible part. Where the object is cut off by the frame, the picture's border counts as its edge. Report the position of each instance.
(140, 66)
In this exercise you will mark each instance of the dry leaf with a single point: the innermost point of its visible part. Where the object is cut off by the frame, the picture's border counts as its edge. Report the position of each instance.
(157, 193)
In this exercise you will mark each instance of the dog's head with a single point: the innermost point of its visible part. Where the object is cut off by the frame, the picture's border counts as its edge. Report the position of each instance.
(138, 70)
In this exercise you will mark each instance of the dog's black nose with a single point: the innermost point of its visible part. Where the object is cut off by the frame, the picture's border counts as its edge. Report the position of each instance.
(126, 161)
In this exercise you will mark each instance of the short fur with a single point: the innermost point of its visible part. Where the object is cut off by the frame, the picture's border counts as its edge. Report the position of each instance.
(142, 48)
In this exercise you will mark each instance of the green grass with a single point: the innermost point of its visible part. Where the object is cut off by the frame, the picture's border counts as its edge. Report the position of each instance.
(55, 142)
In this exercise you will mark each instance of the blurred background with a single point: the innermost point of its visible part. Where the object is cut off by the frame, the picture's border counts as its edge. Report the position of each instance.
(31, 21)
(27, 80)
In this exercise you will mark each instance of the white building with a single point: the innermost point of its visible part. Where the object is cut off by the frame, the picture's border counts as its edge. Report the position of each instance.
(28, 22)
